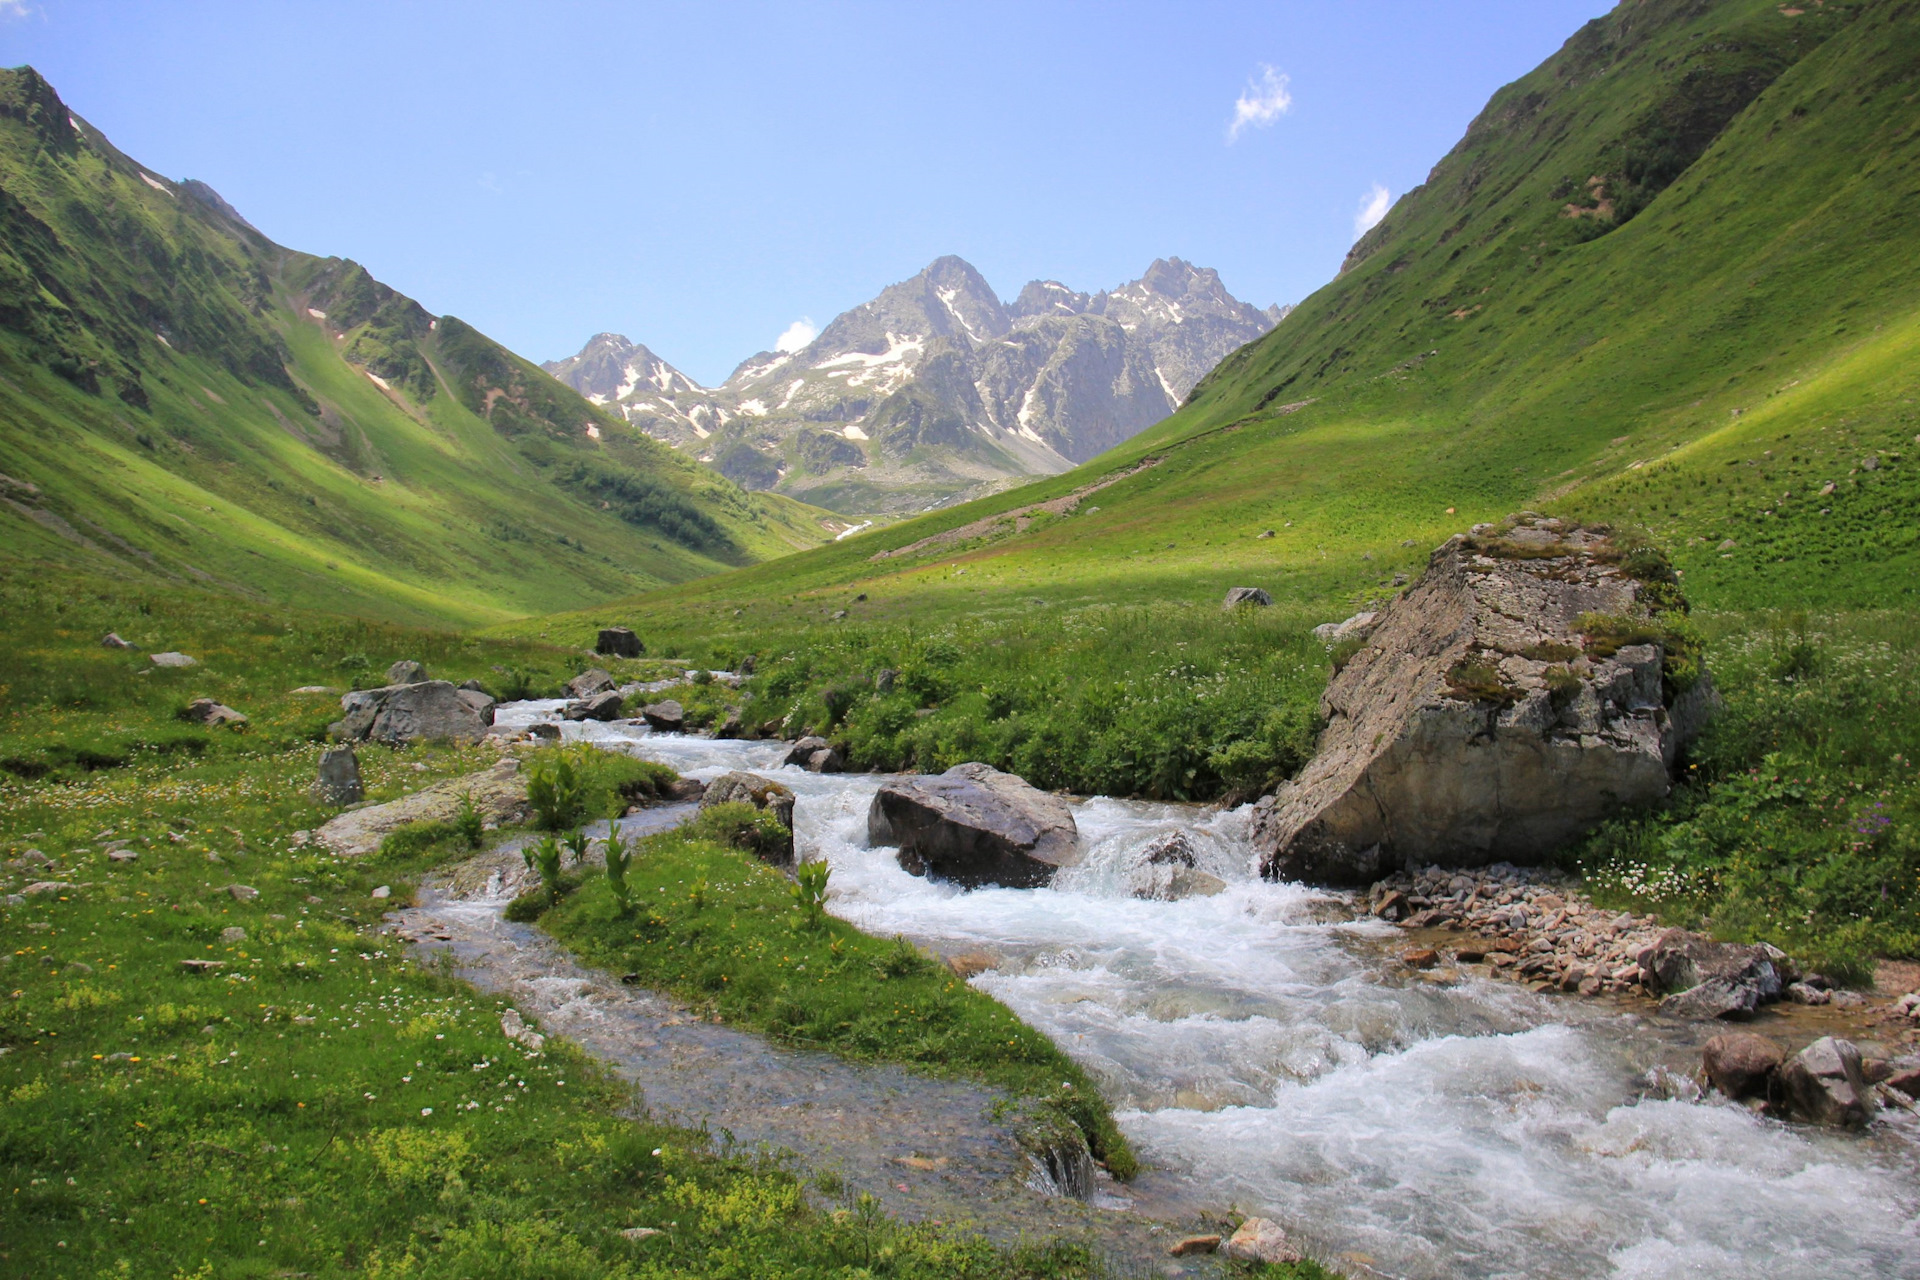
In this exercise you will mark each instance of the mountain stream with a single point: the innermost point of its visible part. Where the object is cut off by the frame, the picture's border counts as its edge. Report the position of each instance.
(1261, 1049)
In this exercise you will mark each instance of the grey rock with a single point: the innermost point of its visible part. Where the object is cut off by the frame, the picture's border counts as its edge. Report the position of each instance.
(241, 892)
(1172, 883)
(739, 787)
(233, 933)
(550, 732)
(599, 706)
(171, 659)
(1414, 768)
(884, 678)
(975, 825)
(801, 753)
(123, 855)
(619, 642)
(589, 682)
(472, 686)
(1358, 627)
(1825, 1083)
(1708, 979)
(112, 640)
(30, 859)
(432, 709)
(730, 725)
(406, 671)
(212, 714)
(1262, 1241)
(665, 717)
(826, 760)
(1237, 596)
(338, 781)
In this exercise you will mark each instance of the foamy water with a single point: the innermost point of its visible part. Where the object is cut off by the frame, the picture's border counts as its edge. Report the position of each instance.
(1260, 1051)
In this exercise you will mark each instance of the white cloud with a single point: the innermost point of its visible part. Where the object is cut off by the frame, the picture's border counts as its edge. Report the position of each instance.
(14, 8)
(797, 335)
(1373, 207)
(1262, 102)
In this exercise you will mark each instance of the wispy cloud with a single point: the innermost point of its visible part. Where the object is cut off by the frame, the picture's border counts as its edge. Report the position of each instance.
(797, 335)
(1373, 207)
(15, 8)
(1264, 100)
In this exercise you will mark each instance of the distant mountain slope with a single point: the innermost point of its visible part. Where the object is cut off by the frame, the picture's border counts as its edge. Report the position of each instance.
(184, 399)
(935, 388)
(1669, 278)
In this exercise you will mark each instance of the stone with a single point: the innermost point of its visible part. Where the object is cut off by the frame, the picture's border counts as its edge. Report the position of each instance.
(515, 1028)
(212, 714)
(1193, 1244)
(1477, 724)
(337, 781)
(550, 732)
(1741, 1065)
(883, 680)
(664, 717)
(30, 858)
(233, 933)
(406, 671)
(1165, 882)
(203, 966)
(433, 710)
(1172, 849)
(589, 682)
(1905, 1077)
(599, 706)
(1804, 993)
(730, 726)
(1358, 627)
(46, 888)
(383, 892)
(1260, 1240)
(619, 642)
(739, 787)
(970, 964)
(123, 855)
(975, 825)
(240, 892)
(826, 760)
(1420, 958)
(171, 659)
(1825, 1084)
(499, 793)
(112, 640)
(1707, 979)
(637, 1233)
(801, 752)
(472, 686)
(1237, 596)
(307, 690)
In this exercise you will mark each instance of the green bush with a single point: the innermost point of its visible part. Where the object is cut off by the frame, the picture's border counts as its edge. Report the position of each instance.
(742, 826)
(554, 791)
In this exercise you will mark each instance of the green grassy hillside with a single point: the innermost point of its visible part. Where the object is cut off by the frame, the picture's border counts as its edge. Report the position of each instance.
(183, 400)
(1667, 280)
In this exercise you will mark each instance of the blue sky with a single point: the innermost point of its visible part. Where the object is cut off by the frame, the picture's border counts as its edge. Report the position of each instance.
(701, 176)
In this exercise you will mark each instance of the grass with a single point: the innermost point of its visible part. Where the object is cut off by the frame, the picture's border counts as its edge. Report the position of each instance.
(719, 928)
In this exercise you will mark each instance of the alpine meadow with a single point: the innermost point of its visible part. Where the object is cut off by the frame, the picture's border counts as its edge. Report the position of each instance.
(1441, 800)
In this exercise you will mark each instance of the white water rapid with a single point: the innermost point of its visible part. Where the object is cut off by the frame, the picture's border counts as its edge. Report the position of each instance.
(1261, 1052)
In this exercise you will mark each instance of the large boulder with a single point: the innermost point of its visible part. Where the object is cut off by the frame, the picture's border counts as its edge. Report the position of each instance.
(762, 793)
(1825, 1083)
(605, 705)
(665, 717)
(816, 755)
(619, 642)
(432, 709)
(1702, 978)
(499, 793)
(406, 671)
(975, 825)
(1514, 696)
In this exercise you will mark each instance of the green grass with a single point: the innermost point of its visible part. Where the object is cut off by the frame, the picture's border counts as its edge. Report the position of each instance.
(719, 928)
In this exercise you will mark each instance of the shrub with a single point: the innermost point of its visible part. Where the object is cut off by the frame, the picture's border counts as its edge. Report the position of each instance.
(741, 826)
(809, 891)
(469, 825)
(619, 855)
(554, 791)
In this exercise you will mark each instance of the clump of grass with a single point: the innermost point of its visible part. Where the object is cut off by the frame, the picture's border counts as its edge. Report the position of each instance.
(809, 890)
(1475, 679)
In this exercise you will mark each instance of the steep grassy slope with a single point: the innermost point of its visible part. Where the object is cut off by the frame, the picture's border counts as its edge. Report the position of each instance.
(182, 399)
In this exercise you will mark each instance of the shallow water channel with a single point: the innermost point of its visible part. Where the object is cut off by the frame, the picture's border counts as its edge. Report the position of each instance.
(1263, 1051)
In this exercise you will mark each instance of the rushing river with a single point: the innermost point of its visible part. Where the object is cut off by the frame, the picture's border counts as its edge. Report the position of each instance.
(1262, 1052)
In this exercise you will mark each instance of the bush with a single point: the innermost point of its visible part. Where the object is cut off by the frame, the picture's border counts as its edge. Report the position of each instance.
(554, 791)
(742, 826)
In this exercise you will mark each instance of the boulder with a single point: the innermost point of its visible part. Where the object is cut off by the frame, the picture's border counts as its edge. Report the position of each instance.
(1262, 1241)
(406, 671)
(212, 714)
(1237, 596)
(762, 793)
(431, 709)
(1480, 723)
(1358, 627)
(606, 705)
(1706, 979)
(1171, 882)
(112, 640)
(884, 678)
(1825, 1084)
(730, 726)
(172, 660)
(1742, 1065)
(338, 781)
(1193, 1244)
(665, 717)
(619, 642)
(473, 686)
(589, 682)
(816, 755)
(975, 825)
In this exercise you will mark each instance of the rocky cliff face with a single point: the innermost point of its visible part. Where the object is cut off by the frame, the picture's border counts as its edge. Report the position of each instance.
(936, 389)
(1538, 678)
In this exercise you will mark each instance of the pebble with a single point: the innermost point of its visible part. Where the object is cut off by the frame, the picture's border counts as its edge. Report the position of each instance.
(1194, 1244)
